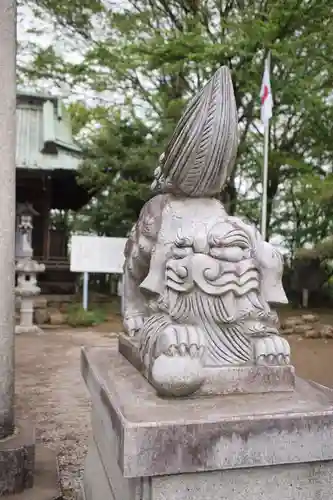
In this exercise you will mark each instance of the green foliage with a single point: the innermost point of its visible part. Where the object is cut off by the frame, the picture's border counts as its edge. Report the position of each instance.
(78, 317)
(119, 160)
(151, 55)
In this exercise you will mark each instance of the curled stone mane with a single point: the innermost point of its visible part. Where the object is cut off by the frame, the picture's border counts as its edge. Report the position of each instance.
(202, 151)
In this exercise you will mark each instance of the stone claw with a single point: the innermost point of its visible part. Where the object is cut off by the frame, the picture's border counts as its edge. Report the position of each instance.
(271, 350)
(181, 340)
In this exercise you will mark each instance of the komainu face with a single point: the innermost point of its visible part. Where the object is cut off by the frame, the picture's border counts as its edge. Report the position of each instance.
(217, 262)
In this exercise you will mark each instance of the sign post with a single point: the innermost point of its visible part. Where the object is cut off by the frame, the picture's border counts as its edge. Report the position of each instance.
(85, 290)
(96, 254)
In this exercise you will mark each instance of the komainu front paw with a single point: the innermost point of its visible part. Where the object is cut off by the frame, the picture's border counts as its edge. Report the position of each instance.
(133, 324)
(177, 369)
(271, 350)
(181, 340)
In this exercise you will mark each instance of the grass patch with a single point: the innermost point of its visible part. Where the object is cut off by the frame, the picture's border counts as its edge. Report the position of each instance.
(77, 316)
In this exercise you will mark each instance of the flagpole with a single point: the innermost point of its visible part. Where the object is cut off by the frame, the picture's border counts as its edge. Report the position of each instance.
(265, 169)
(265, 184)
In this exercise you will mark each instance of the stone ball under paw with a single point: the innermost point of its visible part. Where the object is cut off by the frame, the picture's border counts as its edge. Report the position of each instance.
(177, 375)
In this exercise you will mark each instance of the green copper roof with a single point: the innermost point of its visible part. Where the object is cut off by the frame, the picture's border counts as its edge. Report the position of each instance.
(44, 134)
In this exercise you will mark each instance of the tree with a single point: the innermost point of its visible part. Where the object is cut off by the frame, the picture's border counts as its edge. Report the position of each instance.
(119, 160)
(151, 55)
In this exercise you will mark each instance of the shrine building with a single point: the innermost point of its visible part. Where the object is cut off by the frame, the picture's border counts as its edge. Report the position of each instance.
(47, 160)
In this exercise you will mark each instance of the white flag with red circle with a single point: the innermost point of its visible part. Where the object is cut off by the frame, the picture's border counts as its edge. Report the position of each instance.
(266, 97)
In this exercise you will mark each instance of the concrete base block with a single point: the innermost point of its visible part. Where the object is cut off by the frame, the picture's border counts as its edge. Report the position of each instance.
(17, 460)
(297, 482)
(98, 486)
(27, 471)
(269, 446)
(34, 329)
(46, 484)
(246, 379)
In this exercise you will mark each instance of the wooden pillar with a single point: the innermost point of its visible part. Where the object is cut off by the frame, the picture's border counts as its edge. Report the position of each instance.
(66, 234)
(46, 217)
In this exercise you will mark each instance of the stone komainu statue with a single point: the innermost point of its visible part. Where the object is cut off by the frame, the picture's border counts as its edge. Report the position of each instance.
(198, 282)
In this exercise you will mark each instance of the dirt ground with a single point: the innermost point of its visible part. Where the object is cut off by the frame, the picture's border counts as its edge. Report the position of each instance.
(50, 390)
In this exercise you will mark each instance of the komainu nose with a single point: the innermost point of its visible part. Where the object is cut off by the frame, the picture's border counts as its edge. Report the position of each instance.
(200, 244)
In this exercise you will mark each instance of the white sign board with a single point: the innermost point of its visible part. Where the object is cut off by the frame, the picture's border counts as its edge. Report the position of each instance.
(97, 254)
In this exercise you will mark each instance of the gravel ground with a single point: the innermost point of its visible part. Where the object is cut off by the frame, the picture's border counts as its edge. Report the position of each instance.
(51, 393)
(50, 390)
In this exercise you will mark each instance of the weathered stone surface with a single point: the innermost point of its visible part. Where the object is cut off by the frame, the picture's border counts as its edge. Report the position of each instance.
(165, 436)
(41, 316)
(240, 447)
(98, 486)
(310, 318)
(301, 329)
(225, 380)
(17, 460)
(327, 331)
(287, 482)
(40, 303)
(292, 322)
(6, 421)
(307, 326)
(46, 482)
(288, 331)
(23, 330)
(56, 301)
(57, 318)
(312, 333)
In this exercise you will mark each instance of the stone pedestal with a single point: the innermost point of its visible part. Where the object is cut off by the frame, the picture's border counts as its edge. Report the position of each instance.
(268, 446)
(41, 481)
(17, 460)
(27, 471)
(245, 379)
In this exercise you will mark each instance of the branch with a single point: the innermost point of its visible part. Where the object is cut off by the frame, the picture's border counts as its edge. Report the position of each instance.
(168, 11)
(135, 80)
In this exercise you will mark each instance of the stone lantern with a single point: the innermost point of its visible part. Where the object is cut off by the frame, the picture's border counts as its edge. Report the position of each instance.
(26, 269)
(24, 216)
